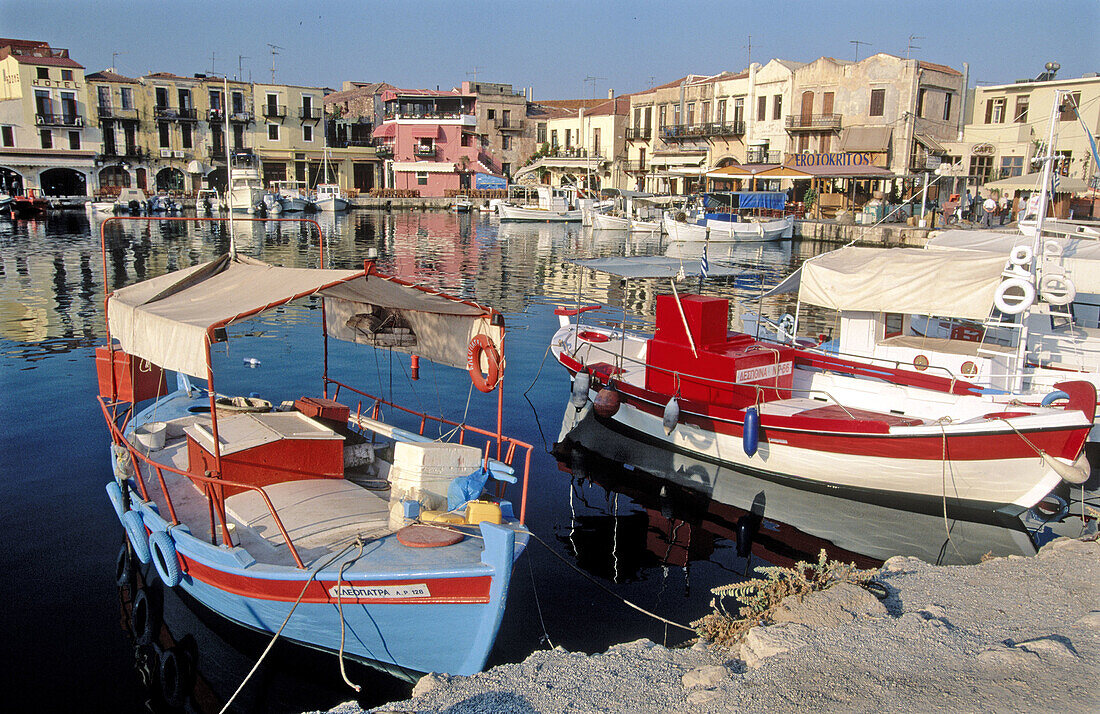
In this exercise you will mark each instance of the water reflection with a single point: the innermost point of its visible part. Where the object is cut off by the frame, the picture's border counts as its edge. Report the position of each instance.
(677, 490)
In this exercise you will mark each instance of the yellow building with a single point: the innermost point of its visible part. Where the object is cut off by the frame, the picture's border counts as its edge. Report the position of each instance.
(289, 133)
(44, 141)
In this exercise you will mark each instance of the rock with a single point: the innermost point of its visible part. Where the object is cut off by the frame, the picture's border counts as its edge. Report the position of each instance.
(902, 563)
(1052, 645)
(1069, 546)
(1002, 655)
(1091, 620)
(428, 682)
(707, 677)
(831, 607)
(701, 696)
(766, 641)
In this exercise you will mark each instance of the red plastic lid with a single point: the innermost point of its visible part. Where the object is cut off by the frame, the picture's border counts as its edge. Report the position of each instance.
(419, 535)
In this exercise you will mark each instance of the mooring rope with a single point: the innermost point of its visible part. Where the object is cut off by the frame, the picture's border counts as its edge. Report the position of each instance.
(340, 609)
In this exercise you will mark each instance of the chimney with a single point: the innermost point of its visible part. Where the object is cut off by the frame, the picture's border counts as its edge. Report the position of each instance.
(610, 93)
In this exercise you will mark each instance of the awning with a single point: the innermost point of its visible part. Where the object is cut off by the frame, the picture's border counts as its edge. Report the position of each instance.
(425, 132)
(931, 144)
(729, 172)
(677, 159)
(866, 138)
(905, 280)
(1078, 258)
(1032, 182)
(197, 167)
(439, 167)
(385, 131)
(805, 172)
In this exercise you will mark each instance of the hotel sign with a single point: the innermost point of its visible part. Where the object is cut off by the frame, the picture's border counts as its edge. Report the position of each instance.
(854, 158)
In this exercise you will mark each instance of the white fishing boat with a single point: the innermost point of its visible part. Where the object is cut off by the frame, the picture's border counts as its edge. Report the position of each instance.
(462, 204)
(553, 205)
(246, 189)
(727, 231)
(294, 195)
(732, 216)
(329, 197)
(629, 213)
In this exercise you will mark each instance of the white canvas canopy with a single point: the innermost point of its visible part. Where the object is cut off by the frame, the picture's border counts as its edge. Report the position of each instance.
(906, 280)
(1078, 258)
(166, 320)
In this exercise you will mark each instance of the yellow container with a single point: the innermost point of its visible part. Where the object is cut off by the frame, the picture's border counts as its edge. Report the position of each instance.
(441, 517)
(478, 511)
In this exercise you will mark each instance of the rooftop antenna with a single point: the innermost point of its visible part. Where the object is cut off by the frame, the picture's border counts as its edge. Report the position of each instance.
(474, 73)
(749, 46)
(114, 60)
(212, 63)
(274, 53)
(911, 46)
(857, 43)
(240, 66)
(652, 81)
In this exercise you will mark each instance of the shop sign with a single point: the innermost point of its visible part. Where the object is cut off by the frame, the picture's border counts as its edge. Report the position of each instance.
(854, 158)
(983, 150)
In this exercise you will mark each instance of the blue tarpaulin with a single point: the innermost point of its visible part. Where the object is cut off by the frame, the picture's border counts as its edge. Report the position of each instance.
(775, 200)
(490, 181)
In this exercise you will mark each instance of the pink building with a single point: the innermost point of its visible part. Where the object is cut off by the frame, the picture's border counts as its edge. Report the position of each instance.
(433, 138)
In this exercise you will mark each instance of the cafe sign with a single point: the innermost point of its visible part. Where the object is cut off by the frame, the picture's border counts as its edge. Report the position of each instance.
(983, 150)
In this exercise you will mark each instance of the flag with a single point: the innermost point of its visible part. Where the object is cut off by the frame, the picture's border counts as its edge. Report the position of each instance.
(704, 267)
(1057, 178)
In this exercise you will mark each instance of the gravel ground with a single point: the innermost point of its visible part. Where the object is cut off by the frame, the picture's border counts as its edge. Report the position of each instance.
(1007, 635)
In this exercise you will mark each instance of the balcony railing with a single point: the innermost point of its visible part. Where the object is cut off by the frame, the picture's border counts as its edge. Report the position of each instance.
(274, 111)
(760, 156)
(184, 114)
(635, 166)
(678, 132)
(384, 152)
(424, 151)
(58, 120)
(309, 113)
(127, 152)
(812, 122)
(218, 115)
(508, 124)
(639, 133)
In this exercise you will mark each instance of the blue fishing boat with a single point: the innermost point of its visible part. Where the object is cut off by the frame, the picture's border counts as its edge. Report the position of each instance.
(321, 520)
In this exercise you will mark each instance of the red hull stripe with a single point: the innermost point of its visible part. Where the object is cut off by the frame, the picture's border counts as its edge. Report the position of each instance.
(442, 590)
(862, 437)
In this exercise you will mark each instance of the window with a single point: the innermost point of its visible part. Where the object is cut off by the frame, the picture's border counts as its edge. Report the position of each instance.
(506, 169)
(637, 117)
(7, 134)
(1011, 166)
(217, 141)
(1062, 159)
(675, 114)
(738, 110)
(68, 107)
(215, 100)
(162, 96)
(1070, 102)
(42, 103)
(130, 135)
(185, 136)
(720, 111)
(803, 143)
(878, 103)
(920, 101)
(505, 116)
(491, 114)
(981, 167)
(74, 139)
(185, 98)
(422, 178)
(706, 113)
(104, 94)
(506, 142)
(995, 111)
(162, 129)
(661, 117)
(825, 142)
(894, 324)
(540, 133)
(596, 142)
(691, 113)
(238, 137)
(777, 107)
(66, 75)
(761, 108)
(127, 98)
(307, 107)
(43, 73)
(47, 139)
(554, 138)
(307, 132)
(238, 102)
(568, 138)
(272, 110)
(947, 106)
(273, 132)
(1020, 116)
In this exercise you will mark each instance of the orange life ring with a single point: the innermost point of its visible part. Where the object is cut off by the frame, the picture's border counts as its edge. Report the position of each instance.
(482, 344)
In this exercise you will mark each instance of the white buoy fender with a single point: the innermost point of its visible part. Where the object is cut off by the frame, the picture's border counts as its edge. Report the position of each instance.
(672, 415)
(1020, 255)
(581, 383)
(1075, 473)
(1057, 289)
(1014, 295)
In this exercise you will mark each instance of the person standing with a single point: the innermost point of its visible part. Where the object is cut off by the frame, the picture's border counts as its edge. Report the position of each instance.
(989, 206)
(1002, 206)
(966, 208)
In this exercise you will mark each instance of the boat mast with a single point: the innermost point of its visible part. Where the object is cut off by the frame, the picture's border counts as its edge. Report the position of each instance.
(228, 168)
(1044, 189)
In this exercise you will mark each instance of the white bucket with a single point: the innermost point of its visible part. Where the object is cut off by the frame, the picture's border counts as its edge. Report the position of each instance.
(151, 434)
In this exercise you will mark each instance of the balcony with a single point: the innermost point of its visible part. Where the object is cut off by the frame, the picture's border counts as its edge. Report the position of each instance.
(129, 152)
(508, 124)
(274, 111)
(812, 122)
(761, 156)
(171, 114)
(682, 132)
(640, 133)
(311, 113)
(634, 167)
(73, 120)
(424, 151)
(384, 152)
(215, 116)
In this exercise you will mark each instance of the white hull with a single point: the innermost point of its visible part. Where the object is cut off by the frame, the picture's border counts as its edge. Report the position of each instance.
(293, 205)
(730, 231)
(520, 213)
(246, 199)
(602, 221)
(332, 204)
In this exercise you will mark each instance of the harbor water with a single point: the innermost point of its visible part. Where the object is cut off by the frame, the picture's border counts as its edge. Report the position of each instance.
(623, 520)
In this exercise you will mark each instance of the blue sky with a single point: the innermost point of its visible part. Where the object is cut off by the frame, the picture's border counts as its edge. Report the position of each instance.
(552, 46)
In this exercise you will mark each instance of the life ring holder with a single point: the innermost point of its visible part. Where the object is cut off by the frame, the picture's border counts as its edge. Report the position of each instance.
(1014, 304)
(1057, 289)
(482, 345)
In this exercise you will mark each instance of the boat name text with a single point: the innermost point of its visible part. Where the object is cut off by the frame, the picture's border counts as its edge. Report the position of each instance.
(753, 374)
(358, 592)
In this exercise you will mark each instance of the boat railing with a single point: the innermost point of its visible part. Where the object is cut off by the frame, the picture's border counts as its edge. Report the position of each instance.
(506, 445)
(217, 506)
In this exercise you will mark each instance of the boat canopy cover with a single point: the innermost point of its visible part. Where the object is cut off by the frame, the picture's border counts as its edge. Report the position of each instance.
(906, 280)
(1078, 258)
(1032, 182)
(655, 266)
(774, 200)
(166, 319)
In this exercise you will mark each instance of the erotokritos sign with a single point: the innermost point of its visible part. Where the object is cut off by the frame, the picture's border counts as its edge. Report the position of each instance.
(854, 158)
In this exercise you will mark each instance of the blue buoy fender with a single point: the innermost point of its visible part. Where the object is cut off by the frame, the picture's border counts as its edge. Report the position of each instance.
(672, 415)
(114, 493)
(751, 437)
(163, 551)
(135, 531)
